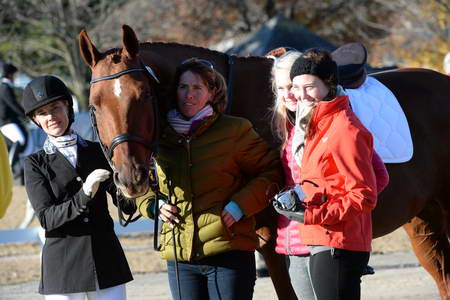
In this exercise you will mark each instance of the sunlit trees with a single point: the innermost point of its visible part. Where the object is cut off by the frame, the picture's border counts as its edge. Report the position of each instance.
(40, 36)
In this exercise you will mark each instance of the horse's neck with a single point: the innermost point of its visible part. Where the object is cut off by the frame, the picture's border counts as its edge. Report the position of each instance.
(166, 56)
(252, 93)
(171, 54)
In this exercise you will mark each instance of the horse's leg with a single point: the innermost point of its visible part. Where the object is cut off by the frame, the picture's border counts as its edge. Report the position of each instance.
(428, 233)
(276, 263)
(261, 268)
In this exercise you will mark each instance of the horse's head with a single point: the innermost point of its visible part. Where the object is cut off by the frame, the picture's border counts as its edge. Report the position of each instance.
(123, 109)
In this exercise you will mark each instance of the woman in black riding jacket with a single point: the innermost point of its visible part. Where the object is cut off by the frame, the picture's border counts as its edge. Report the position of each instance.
(66, 183)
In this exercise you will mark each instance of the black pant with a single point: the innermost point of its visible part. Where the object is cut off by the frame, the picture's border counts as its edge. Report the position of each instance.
(336, 274)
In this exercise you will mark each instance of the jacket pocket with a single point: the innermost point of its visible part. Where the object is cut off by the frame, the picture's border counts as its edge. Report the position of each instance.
(165, 236)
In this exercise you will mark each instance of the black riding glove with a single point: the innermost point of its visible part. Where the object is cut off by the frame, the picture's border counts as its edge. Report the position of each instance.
(290, 204)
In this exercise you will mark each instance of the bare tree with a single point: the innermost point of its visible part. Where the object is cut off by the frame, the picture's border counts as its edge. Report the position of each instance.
(403, 32)
(199, 22)
(422, 33)
(41, 36)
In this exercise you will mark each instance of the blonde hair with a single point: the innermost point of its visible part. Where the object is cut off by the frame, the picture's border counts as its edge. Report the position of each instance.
(279, 113)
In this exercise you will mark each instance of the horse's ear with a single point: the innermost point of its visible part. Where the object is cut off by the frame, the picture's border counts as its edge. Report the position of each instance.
(129, 41)
(89, 53)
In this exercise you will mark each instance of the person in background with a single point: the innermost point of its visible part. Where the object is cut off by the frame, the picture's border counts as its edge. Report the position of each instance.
(67, 182)
(216, 172)
(6, 183)
(11, 117)
(338, 182)
(11, 113)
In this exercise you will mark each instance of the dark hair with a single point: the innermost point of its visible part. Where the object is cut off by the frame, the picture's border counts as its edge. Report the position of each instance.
(212, 79)
(318, 62)
(8, 69)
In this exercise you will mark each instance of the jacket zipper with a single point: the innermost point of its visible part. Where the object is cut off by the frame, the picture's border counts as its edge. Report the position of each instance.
(188, 148)
(189, 166)
(288, 246)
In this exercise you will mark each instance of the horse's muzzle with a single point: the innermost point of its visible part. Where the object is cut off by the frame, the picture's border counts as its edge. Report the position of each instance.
(132, 182)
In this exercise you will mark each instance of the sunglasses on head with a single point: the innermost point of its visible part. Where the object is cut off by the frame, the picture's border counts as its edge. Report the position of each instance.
(288, 50)
(280, 52)
(204, 62)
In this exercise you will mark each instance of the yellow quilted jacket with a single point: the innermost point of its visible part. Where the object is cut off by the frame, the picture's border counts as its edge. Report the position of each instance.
(5, 178)
(224, 160)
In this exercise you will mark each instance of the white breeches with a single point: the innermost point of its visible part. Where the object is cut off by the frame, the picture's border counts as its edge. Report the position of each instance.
(13, 132)
(117, 292)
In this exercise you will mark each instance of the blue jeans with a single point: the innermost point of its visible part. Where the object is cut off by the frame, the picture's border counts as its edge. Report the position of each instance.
(226, 276)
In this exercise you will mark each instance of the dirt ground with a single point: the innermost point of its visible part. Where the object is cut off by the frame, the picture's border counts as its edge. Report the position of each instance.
(20, 262)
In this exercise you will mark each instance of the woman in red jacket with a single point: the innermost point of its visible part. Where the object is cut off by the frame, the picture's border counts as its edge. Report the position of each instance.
(334, 152)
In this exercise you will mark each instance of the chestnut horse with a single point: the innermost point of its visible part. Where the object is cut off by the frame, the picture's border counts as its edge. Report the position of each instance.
(129, 87)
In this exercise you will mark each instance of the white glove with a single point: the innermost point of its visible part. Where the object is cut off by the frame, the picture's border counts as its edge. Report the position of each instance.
(90, 186)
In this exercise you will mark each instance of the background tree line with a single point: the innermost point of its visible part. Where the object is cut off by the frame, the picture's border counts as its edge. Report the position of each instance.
(40, 36)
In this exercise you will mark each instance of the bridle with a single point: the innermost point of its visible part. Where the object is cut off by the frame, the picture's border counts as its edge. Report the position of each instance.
(108, 151)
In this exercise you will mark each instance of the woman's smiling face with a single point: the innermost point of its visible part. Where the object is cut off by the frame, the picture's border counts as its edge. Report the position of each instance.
(53, 117)
(309, 89)
(283, 86)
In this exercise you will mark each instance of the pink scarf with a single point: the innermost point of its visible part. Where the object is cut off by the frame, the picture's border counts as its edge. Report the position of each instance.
(183, 126)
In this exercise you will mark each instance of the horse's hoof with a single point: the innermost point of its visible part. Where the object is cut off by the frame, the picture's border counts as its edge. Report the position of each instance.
(260, 273)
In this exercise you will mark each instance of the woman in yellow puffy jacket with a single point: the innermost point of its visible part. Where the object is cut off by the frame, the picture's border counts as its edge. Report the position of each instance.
(216, 172)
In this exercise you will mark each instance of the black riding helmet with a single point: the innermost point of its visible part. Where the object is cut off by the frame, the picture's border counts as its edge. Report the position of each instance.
(44, 90)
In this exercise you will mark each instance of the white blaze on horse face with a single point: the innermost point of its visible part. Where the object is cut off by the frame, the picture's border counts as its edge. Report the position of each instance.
(117, 88)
